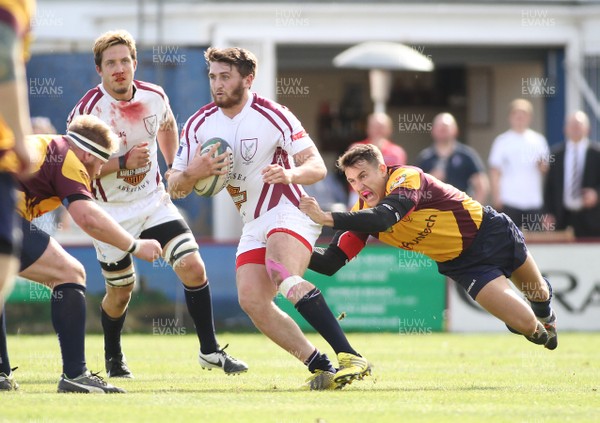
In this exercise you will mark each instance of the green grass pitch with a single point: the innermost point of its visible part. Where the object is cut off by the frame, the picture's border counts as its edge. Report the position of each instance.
(416, 378)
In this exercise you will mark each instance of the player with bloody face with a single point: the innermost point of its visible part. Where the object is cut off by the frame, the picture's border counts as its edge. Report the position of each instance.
(131, 190)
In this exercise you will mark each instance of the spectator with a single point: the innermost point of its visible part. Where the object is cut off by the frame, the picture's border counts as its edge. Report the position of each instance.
(454, 162)
(518, 162)
(573, 181)
(379, 130)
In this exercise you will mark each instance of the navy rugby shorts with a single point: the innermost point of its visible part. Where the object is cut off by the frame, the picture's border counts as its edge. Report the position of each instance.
(35, 242)
(498, 249)
(10, 236)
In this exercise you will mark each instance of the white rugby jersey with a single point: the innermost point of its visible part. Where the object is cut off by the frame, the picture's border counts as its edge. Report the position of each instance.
(263, 133)
(135, 122)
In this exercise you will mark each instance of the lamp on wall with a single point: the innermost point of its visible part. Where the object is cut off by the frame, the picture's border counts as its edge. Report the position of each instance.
(380, 58)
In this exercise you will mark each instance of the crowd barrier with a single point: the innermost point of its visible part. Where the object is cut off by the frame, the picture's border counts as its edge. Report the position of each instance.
(383, 289)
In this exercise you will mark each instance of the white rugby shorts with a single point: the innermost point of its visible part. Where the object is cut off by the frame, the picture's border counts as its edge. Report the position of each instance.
(136, 217)
(283, 218)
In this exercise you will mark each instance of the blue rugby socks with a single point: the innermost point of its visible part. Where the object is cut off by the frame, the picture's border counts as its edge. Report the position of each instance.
(199, 304)
(318, 361)
(542, 309)
(112, 333)
(4, 362)
(315, 310)
(67, 306)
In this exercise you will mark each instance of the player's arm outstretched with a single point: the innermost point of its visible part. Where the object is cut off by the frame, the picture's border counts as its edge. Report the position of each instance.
(355, 229)
(376, 219)
(99, 225)
(343, 248)
(309, 169)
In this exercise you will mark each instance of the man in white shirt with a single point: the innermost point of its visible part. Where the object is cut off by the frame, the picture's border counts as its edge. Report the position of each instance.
(273, 158)
(130, 189)
(518, 161)
(573, 182)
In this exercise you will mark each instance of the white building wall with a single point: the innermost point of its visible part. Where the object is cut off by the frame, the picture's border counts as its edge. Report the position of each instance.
(72, 26)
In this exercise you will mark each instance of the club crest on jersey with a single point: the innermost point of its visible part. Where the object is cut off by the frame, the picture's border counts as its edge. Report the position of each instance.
(151, 123)
(249, 147)
(399, 181)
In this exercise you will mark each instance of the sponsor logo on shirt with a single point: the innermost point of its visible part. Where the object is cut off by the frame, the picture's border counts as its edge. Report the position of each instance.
(298, 135)
(238, 197)
(133, 176)
(429, 224)
(398, 182)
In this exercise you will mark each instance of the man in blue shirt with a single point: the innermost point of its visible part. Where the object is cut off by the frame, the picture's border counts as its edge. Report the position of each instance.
(453, 162)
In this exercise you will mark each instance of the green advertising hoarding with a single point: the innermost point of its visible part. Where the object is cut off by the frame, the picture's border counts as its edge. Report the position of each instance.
(384, 289)
(29, 292)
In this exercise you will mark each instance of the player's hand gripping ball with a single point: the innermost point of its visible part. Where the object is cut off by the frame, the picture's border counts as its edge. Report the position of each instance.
(210, 186)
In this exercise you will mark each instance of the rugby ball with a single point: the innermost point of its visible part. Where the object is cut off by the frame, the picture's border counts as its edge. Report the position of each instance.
(209, 187)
